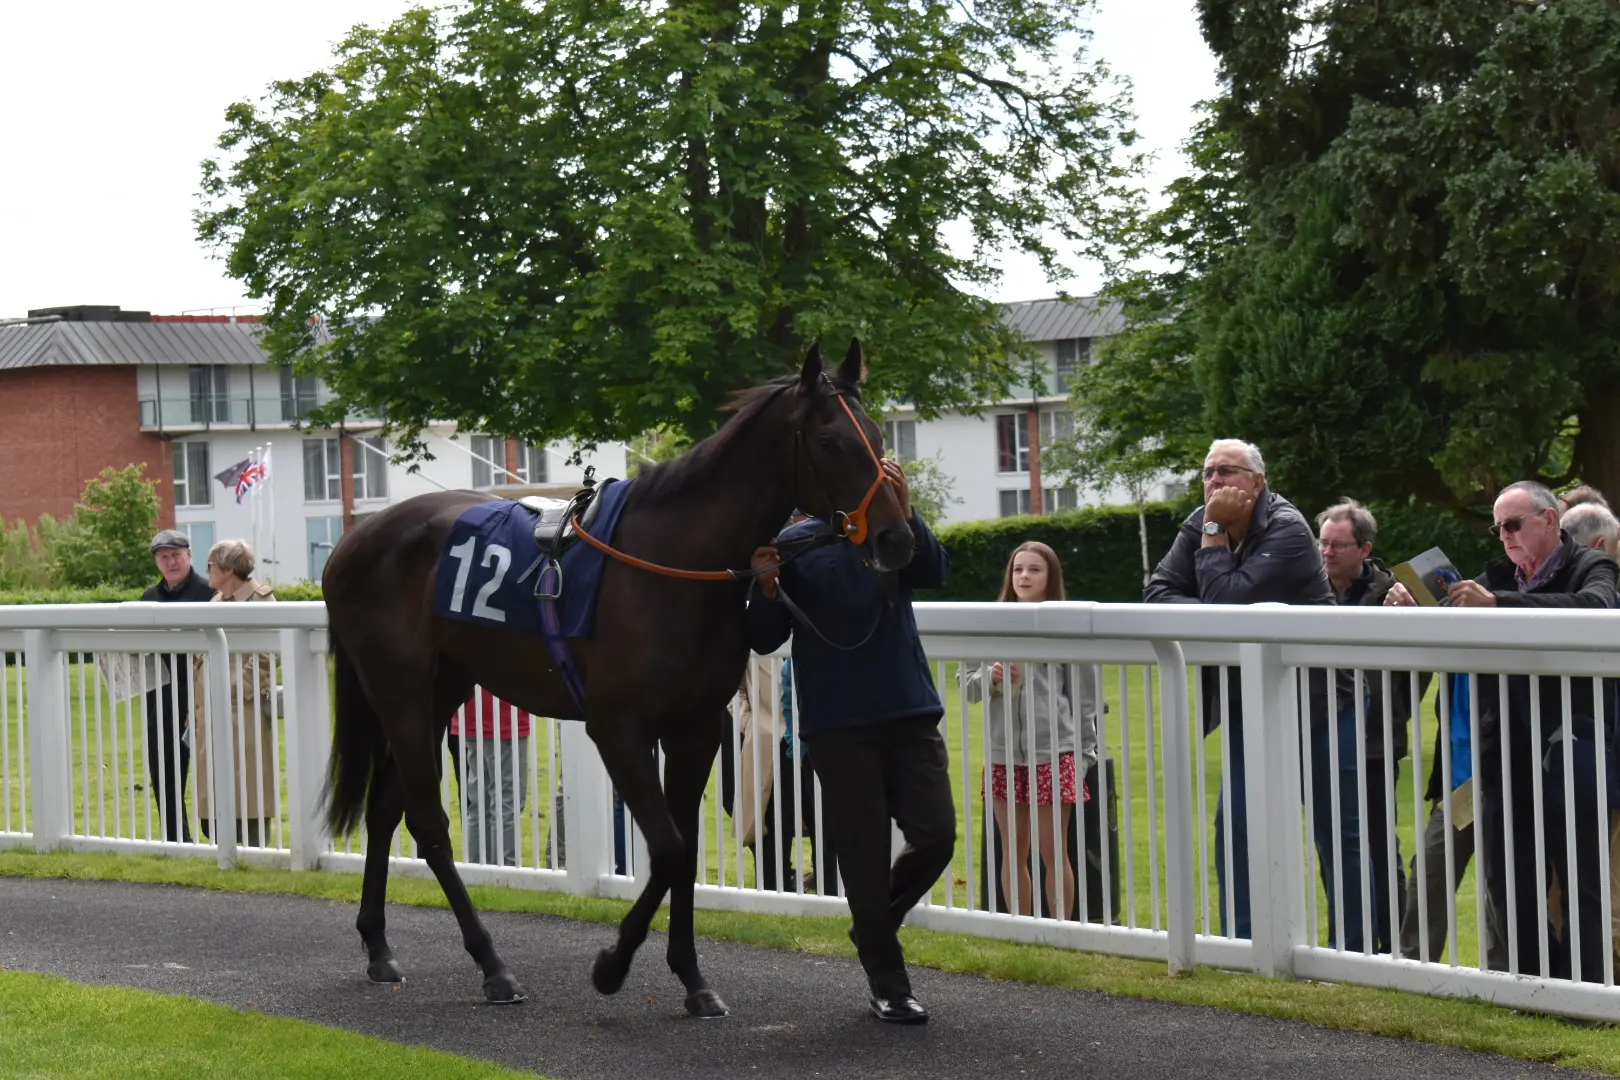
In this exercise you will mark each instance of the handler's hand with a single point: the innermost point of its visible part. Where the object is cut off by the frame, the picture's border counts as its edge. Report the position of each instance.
(766, 556)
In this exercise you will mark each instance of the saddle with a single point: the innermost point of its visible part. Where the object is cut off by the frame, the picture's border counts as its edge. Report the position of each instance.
(554, 531)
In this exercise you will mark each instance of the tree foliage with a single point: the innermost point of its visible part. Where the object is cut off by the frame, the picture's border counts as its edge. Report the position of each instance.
(111, 542)
(1402, 277)
(593, 217)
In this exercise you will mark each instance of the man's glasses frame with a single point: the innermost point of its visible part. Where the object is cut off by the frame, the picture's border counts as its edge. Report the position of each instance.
(1513, 524)
(1225, 472)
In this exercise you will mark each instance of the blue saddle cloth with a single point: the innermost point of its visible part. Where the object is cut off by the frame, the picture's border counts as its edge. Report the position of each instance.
(492, 545)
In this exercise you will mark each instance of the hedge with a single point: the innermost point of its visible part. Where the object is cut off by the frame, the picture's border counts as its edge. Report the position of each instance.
(111, 594)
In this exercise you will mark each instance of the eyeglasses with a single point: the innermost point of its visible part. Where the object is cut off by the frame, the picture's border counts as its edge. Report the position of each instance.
(1513, 525)
(1225, 472)
(1335, 546)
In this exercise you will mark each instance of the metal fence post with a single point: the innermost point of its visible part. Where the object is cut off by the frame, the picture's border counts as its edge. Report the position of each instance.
(1271, 760)
(221, 748)
(50, 777)
(587, 823)
(1179, 849)
(308, 727)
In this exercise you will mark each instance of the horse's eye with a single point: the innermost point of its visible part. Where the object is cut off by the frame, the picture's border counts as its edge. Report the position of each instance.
(827, 442)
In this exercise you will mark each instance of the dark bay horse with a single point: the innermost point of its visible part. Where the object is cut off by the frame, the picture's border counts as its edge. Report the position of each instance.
(667, 656)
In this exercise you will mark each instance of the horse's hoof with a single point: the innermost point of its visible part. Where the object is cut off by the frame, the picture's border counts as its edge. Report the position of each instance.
(706, 1005)
(385, 971)
(607, 974)
(503, 989)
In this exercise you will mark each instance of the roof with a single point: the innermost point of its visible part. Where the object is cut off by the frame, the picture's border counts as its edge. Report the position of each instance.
(1057, 320)
(70, 343)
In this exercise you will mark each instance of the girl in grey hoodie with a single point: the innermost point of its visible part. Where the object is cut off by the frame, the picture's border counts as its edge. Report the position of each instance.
(1031, 714)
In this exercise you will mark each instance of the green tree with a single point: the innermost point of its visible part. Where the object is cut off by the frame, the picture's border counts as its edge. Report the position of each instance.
(592, 218)
(1422, 294)
(113, 524)
(28, 553)
(932, 488)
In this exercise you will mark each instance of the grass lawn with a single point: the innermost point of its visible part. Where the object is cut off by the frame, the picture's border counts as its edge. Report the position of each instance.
(53, 1028)
(1447, 1022)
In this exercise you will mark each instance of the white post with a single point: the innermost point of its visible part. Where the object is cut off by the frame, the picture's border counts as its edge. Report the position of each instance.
(587, 811)
(1179, 847)
(51, 779)
(308, 727)
(1271, 759)
(221, 748)
(270, 514)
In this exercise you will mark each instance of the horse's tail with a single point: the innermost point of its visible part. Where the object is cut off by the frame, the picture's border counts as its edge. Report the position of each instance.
(358, 747)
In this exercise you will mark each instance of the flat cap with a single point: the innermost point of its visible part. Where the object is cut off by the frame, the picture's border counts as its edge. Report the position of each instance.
(170, 538)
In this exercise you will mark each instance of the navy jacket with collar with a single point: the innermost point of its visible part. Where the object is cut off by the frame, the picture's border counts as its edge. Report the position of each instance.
(886, 679)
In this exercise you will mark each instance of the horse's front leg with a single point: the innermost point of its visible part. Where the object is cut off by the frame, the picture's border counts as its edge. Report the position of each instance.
(687, 760)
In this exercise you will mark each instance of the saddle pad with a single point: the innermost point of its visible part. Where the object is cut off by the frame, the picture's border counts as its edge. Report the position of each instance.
(492, 544)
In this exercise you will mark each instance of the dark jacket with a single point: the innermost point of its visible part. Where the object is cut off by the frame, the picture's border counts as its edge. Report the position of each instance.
(1586, 580)
(887, 678)
(1369, 590)
(1277, 562)
(195, 589)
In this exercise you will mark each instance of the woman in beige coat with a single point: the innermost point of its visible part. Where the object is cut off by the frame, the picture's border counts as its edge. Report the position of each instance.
(252, 691)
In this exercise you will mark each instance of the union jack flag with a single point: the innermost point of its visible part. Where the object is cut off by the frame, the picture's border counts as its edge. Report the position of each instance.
(253, 474)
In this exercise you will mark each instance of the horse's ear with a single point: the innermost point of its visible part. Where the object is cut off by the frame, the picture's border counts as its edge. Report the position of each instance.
(853, 370)
(810, 374)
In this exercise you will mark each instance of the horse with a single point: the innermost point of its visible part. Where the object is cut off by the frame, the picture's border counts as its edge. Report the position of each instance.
(666, 657)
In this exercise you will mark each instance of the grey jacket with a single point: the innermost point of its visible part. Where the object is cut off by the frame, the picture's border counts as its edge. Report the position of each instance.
(1046, 700)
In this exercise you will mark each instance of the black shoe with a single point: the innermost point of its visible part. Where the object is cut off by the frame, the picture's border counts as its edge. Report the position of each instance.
(904, 1009)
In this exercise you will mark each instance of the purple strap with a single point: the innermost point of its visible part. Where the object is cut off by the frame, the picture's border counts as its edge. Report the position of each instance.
(556, 641)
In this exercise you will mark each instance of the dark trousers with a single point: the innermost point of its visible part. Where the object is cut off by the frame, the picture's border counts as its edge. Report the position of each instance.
(1519, 806)
(870, 775)
(168, 758)
(1333, 864)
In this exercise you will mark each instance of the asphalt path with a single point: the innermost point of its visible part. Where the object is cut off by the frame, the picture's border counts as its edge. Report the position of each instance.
(793, 1015)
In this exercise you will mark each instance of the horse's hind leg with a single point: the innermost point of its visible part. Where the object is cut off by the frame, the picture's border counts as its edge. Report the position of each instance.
(384, 808)
(687, 761)
(430, 825)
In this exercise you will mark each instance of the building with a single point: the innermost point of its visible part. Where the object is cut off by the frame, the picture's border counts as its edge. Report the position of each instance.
(190, 397)
(991, 458)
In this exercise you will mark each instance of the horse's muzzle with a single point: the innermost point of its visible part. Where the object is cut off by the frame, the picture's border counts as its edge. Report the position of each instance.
(892, 547)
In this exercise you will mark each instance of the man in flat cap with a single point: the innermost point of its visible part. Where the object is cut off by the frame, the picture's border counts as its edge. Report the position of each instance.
(168, 745)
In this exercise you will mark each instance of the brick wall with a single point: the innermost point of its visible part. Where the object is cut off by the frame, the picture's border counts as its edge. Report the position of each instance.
(61, 426)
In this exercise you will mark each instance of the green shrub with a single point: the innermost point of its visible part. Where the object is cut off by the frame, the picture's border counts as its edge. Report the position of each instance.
(1100, 549)
(28, 554)
(116, 594)
(115, 519)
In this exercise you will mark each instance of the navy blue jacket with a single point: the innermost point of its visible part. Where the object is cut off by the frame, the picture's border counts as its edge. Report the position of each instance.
(886, 679)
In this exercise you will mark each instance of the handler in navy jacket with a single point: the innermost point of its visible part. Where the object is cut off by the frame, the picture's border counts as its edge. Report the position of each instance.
(869, 717)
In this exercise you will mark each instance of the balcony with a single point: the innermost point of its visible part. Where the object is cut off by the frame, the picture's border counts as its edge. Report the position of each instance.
(185, 413)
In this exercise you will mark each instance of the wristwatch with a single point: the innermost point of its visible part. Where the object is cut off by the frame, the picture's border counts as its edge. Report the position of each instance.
(1213, 528)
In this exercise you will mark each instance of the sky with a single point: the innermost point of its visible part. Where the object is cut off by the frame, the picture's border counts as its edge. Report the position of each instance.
(107, 110)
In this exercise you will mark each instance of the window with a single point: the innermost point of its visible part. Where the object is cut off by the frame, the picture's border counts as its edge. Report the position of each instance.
(489, 457)
(201, 535)
(900, 439)
(210, 394)
(191, 474)
(1056, 424)
(1072, 353)
(298, 394)
(1012, 443)
(1053, 500)
(531, 463)
(370, 468)
(322, 533)
(323, 471)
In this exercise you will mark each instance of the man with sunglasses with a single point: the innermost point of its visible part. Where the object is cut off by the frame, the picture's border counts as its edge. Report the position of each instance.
(1542, 568)
(1245, 545)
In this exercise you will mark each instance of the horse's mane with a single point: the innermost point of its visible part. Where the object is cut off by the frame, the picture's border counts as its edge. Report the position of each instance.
(671, 479)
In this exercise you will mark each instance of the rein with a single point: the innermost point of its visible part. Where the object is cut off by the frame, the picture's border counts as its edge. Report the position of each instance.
(852, 526)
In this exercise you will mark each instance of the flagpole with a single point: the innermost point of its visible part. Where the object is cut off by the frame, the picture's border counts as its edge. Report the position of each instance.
(253, 507)
(270, 510)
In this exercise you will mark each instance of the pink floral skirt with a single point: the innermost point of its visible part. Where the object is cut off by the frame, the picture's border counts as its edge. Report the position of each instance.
(1069, 786)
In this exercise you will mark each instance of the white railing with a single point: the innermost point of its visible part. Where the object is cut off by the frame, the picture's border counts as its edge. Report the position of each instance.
(83, 691)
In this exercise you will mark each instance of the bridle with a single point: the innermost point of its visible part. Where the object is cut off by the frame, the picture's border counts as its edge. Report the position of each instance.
(851, 526)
